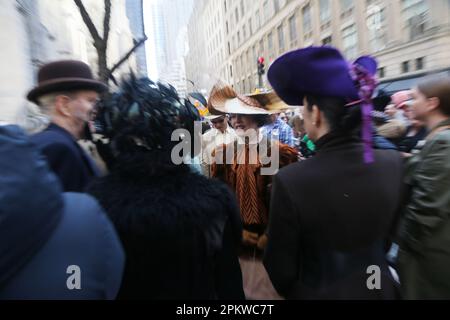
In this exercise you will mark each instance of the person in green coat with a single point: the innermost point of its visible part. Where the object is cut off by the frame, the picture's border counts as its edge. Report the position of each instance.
(424, 257)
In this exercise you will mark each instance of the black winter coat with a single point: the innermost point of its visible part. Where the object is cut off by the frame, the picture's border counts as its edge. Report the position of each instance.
(180, 232)
(73, 166)
(331, 216)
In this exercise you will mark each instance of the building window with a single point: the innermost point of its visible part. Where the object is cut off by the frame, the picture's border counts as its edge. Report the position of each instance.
(346, 6)
(231, 71)
(307, 25)
(293, 28)
(276, 5)
(236, 14)
(416, 13)
(325, 11)
(381, 72)
(327, 41)
(258, 19)
(280, 31)
(350, 41)
(261, 47)
(376, 18)
(270, 42)
(244, 32)
(420, 65)
(238, 38)
(242, 8)
(250, 26)
(227, 27)
(266, 11)
(405, 67)
(229, 47)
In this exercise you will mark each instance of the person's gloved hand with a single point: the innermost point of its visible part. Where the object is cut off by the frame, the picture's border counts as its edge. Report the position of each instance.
(262, 242)
(249, 238)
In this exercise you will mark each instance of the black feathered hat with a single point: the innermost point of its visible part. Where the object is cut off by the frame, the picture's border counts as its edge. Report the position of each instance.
(142, 115)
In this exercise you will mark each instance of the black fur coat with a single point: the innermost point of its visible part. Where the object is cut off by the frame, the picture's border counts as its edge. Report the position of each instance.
(180, 231)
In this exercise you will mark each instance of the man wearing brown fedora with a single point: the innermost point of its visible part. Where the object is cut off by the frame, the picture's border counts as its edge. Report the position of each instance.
(67, 93)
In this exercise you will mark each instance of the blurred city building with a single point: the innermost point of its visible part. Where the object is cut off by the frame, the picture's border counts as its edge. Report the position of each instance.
(34, 32)
(135, 14)
(170, 19)
(206, 60)
(410, 38)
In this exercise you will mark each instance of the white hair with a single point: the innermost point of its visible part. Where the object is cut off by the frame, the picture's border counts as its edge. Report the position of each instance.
(47, 101)
(33, 120)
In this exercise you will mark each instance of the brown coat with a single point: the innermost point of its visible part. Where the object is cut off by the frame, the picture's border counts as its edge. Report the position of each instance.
(330, 216)
(252, 189)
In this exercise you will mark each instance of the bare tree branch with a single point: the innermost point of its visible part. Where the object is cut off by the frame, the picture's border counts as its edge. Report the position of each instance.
(88, 21)
(100, 44)
(106, 21)
(125, 58)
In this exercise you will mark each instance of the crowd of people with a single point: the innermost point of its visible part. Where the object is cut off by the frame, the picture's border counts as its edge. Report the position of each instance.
(295, 193)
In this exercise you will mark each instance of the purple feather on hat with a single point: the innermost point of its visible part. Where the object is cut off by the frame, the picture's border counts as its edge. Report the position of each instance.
(363, 72)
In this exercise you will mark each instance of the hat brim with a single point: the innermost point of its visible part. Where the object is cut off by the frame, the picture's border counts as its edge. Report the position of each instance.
(271, 101)
(66, 84)
(236, 106)
(213, 117)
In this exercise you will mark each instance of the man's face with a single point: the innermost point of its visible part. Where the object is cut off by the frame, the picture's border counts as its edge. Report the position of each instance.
(220, 123)
(81, 107)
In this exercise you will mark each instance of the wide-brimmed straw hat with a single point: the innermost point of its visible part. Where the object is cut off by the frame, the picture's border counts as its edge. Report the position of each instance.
(224, 100)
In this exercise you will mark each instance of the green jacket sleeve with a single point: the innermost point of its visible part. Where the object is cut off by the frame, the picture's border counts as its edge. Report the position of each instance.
(429, 204)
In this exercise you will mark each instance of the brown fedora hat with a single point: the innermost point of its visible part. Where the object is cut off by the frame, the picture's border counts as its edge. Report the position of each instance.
(65, 75)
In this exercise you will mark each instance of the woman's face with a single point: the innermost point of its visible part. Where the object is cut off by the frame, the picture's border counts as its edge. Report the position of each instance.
(420, 107)
(242, 123)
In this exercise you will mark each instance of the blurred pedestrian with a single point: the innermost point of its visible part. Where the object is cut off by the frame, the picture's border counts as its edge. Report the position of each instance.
(331, 215)
(277, 128)
(221, 133)
(52, 245)
(180, 230)
(415, 133)
(67, 93)
(424, 257)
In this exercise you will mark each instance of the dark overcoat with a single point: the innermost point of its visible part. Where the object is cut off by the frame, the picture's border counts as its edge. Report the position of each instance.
(66, 158)
(331, 216)
(180, 231)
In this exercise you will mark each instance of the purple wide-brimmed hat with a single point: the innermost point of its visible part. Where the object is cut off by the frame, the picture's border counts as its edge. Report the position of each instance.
(323, 71)
(314, 70)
